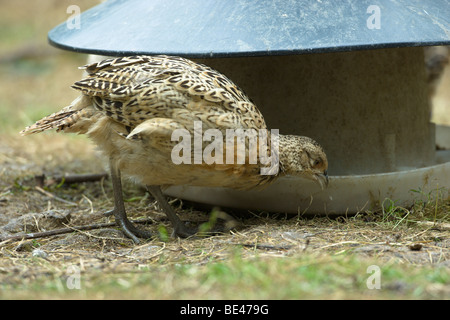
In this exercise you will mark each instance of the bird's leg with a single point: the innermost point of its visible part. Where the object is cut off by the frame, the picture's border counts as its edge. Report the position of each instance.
(179, 228)
(119, 208)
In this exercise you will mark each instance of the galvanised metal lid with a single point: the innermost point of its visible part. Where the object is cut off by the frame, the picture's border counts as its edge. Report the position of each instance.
(226, 28)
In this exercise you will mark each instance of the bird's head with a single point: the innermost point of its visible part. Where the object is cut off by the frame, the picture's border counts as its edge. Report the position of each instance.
(302, 156)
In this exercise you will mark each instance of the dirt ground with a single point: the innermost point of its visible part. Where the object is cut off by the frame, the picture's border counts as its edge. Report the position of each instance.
(27, 207)
(31, 201)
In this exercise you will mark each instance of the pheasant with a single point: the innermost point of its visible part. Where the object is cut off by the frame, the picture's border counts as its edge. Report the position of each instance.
(131, 107)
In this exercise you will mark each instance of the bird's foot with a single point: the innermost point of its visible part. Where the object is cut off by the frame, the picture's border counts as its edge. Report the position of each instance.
(127, 227)
(203, 229)
(183, 231)
(219, 222)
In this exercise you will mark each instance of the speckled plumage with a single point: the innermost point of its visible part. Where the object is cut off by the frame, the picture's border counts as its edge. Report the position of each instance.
(130, 106)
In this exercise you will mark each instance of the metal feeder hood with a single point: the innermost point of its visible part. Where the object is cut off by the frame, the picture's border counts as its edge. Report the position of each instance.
(311, 68)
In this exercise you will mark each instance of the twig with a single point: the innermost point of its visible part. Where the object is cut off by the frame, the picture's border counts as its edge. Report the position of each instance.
(49, 233)
(341, 243)
(77, 178)
(71, 178)
(264, 246)
(435, 225)
(52, 196)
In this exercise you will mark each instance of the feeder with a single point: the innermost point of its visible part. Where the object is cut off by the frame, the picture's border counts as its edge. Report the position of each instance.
(350, 74)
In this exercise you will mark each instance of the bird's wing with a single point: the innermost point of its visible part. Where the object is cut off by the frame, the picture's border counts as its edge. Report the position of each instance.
(132, 90)
(158, 134)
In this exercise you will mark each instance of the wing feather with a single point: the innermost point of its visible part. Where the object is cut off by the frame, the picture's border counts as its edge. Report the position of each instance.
(134, 89)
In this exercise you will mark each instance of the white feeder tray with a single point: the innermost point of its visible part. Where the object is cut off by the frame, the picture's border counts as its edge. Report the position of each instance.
(344, 195)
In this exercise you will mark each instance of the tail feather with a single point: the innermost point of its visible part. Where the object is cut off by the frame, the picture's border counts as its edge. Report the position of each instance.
(61, 119)
(53, 121)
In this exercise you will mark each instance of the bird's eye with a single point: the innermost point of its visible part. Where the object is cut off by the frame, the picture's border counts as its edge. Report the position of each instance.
(317, 163)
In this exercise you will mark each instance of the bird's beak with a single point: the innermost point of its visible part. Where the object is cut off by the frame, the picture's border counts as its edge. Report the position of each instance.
(322, 179)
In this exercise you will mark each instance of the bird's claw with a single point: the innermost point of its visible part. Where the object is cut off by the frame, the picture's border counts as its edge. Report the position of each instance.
(209, 228)
(183, 231)
(108, 213)
(127, 227)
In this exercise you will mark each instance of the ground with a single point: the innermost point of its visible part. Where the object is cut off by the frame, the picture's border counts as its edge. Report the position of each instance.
(393, 252)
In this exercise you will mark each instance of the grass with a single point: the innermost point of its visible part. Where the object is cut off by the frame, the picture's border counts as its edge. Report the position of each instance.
(308, 276)
(270, 258)
(253, 263)
(433, 206)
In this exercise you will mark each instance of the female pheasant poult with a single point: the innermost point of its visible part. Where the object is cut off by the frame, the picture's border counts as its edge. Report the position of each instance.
(131, 106)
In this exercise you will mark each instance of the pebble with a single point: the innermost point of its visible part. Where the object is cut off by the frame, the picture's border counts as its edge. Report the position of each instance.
(39, 253)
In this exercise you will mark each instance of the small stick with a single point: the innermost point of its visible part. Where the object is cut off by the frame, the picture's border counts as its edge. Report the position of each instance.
(71, 178)
(76, 178)
(49, 233)
(264, 246)
(435, 225)
(52, 196)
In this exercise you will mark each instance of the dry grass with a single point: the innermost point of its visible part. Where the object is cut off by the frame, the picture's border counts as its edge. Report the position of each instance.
(258, 259)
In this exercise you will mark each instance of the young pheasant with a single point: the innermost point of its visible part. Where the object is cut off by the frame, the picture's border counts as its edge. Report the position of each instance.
(131, 107)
